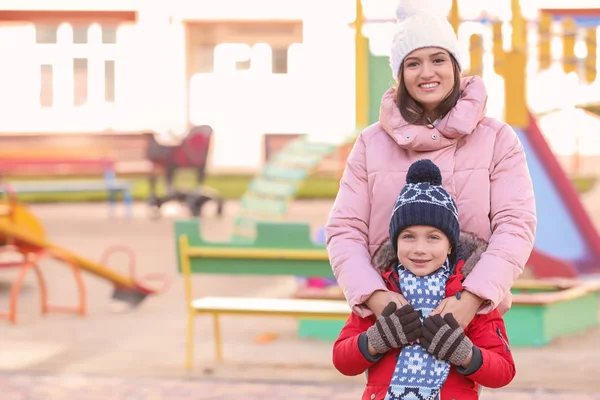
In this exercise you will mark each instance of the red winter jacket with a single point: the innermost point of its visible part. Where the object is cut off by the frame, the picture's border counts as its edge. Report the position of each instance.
(486, 331)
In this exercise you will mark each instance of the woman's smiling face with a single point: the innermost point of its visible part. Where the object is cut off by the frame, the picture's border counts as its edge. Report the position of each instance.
(428, 75)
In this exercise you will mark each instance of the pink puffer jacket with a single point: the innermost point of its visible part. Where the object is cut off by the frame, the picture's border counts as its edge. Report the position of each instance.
(483, 167)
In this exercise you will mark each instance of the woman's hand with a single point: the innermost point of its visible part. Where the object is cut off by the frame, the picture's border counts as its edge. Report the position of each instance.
(463, 309)
(381, 298)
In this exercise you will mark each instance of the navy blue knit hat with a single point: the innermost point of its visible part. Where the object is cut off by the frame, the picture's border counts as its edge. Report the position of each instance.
(423, 201)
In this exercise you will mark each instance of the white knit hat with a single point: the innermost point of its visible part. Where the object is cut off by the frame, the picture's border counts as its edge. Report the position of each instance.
(422, 23)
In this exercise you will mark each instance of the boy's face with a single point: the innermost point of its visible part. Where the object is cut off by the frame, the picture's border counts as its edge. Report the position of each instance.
(422, 249)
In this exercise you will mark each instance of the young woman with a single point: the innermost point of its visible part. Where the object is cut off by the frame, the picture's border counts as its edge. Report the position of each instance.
(432, 113)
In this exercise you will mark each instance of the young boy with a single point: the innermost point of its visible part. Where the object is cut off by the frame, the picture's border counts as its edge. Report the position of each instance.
(408, 355)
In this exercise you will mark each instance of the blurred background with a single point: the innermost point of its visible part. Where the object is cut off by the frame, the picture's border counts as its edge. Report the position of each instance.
(167, 160)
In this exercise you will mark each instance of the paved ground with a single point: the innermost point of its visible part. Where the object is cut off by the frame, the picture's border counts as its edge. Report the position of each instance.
(139, 354)
(43, 387)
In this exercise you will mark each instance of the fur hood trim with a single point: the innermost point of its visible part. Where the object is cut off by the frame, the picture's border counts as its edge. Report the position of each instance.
(470, 249)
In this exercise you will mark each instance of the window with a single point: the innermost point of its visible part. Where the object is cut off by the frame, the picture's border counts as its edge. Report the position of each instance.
(243, 65)
(80, 81)
(80, 34)
(280, 60)
(109, 34)
(109, 81)
(46, 33)
(87, 63)
(278, 35)
(46, 86)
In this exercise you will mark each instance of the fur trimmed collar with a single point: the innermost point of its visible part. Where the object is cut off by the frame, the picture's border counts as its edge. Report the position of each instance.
(470, 249)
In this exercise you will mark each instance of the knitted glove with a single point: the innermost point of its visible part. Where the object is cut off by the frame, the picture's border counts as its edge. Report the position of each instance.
(445, 339)
(394, 328)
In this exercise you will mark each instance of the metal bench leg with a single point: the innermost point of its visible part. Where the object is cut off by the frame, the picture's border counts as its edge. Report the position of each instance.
(128, 202)
(217, 338)
(189, 348)
(112, 200)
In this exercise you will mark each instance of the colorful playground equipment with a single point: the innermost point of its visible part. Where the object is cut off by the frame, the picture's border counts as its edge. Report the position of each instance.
(558, 204)
(571, 19)
(23, 241)
(270, 192)
(576, 251)
(546, 310)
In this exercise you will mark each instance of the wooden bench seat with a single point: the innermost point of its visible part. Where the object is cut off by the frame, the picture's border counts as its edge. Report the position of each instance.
(274, 307)
(298, 308)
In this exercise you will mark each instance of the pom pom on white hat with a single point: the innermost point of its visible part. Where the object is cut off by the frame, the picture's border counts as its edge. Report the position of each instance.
(422, 23)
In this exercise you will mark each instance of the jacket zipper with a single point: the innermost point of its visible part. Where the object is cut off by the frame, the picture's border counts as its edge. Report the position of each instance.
(499, 332)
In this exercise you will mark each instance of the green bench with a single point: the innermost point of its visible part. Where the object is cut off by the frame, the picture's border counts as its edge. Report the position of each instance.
(277, 249)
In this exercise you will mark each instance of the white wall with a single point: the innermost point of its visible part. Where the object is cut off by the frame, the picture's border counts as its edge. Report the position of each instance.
(316, 96)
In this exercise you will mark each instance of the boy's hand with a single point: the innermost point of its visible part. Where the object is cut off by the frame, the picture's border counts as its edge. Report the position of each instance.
(394, 328)
(446, 340)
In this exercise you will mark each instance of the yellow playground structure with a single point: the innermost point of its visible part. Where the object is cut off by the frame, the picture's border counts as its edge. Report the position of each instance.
(23, 242)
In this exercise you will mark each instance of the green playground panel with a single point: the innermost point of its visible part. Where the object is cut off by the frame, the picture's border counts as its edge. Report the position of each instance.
(269, 236)
(380, 80)
(537, 325)
(268, 195)
(282, 173)
(245, 222)
(527, 325)
(272, 188)
(304, 147)
(256, 267)
(265, 205)
(300, 160)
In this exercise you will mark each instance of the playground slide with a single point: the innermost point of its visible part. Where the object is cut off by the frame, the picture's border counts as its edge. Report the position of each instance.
(567, 243)
(20, 228)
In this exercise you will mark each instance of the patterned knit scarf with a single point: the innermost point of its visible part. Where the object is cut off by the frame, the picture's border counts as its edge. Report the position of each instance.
(419, 375)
